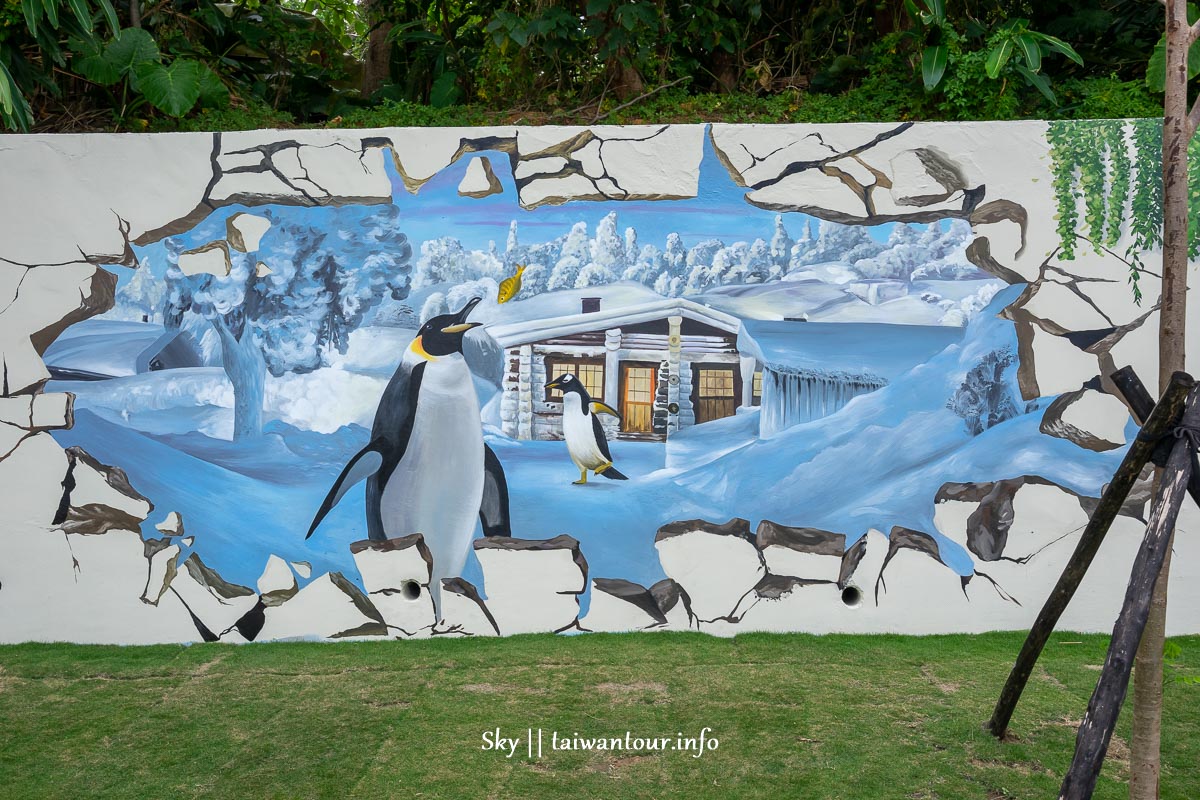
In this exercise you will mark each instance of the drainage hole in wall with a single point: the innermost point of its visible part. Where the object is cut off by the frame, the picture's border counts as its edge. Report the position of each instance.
(410, 590)
(852, 596)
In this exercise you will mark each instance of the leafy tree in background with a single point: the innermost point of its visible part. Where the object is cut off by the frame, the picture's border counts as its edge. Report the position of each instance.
(132, 61)
(167, 58)
(31, 47)
(401, 62)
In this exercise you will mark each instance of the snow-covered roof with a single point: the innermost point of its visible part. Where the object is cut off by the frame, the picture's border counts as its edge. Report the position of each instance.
(563, 302)
(535, 330)
(857, 348)
(104, 348)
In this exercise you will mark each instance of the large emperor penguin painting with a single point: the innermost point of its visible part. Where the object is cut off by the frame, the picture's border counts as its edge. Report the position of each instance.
(427, 467)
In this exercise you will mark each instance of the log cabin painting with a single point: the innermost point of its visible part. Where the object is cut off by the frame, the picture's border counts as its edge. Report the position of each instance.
(855, 382)
(664, 365)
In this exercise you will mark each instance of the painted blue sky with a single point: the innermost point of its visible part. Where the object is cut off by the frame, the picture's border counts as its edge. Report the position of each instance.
(720, 211)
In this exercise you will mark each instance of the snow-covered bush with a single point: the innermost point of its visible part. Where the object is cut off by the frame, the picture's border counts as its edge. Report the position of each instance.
(434, 305)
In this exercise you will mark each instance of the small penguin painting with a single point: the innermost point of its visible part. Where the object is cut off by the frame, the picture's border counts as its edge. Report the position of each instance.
(427, 467)
(585, 437)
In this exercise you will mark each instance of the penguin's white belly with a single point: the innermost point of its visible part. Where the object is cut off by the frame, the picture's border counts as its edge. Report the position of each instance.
(437, 487)
(581, 438)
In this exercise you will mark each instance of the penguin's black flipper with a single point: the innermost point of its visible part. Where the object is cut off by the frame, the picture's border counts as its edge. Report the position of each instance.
(614, 474)
(601, 439)
(493, 511)
(364, 464)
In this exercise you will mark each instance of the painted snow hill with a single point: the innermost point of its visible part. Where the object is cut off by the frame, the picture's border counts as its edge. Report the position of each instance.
(854, 378)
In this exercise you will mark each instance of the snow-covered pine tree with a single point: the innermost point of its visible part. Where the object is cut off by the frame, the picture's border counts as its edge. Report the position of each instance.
(484, 265)
(903, 233)
(646, 268)
(511, 246)
(895, 263)
(798, 257)
(485, 288)
(931, 239)
(838, 244)
(757, 263)
(781, 246)
(575, 255)
(662, 284)
(701, 255)
(594, 275)
(289, 319)
(705, 276)
(442, 260)
(539, 260)
(142, 297)
(434, 305)
(675, 255)
(533, 281)
(608, 249)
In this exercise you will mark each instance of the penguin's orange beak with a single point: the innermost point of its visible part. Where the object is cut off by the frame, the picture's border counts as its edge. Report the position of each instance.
(553, 385)
(418, 347)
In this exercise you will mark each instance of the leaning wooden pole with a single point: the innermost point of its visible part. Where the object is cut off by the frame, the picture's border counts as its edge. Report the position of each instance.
(1164, 416)
(1097, 727)
(1141, 403)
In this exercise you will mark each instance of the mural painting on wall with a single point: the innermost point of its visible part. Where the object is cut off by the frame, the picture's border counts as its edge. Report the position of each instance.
(489, 382)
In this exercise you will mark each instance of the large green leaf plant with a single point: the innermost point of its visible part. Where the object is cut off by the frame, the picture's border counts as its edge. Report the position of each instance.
(31, 32)
(1009, 47)
(132, 60)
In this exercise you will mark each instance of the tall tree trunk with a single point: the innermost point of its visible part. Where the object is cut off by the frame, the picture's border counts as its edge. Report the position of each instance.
(247, 371)
(377, 61)
(1144, 760)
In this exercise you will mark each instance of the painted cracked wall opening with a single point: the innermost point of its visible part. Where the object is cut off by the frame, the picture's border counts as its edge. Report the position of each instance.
(842, 381)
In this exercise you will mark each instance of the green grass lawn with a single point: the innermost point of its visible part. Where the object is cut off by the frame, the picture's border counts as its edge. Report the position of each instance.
(852, 717)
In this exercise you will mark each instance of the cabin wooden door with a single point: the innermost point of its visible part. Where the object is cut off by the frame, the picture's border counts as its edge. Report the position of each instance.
(638, 385)
(715, 392)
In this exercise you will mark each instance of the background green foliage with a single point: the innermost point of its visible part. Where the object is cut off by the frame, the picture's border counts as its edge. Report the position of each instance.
(299, 62)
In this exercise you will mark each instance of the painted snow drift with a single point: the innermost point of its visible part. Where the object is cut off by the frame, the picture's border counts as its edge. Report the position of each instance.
(406, 383)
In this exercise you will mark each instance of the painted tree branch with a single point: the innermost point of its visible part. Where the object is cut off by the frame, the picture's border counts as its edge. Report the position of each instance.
(1161, 420)
(1096, 730)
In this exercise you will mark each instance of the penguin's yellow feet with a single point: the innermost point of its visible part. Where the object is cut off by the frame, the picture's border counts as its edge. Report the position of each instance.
(600, 470)
(582, 478)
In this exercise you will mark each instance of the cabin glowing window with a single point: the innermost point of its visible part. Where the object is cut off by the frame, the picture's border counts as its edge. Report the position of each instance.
(715, 393)
(756, 397)
(590, 372)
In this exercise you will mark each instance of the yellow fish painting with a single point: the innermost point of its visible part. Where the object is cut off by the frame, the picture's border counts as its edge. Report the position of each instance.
(510, 287)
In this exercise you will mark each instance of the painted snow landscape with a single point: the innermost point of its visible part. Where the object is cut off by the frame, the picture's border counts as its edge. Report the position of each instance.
(825, 415)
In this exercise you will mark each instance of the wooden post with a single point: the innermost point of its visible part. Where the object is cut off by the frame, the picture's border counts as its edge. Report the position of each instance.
(1096, 729)
(1141, 403)
(1134, 392)
(1164, 417)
